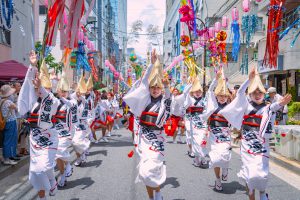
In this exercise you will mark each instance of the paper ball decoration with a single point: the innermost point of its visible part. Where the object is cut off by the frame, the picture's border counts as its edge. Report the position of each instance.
(185, 40)
(222, 36)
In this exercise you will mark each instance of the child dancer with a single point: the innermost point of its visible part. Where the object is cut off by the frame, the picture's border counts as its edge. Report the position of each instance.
(196, 128)
(219, 132)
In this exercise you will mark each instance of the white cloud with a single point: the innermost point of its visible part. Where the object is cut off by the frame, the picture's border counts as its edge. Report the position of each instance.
(150, 12)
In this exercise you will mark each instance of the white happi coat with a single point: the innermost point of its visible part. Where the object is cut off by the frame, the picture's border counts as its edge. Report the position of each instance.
(43, 143)
(177, 105)
(63, 128)
(255, 149)
(151, 168)
(80, 140)
(219, 137)
(196, 128)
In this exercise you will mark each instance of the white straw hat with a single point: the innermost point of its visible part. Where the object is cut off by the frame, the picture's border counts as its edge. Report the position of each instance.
(6, 91)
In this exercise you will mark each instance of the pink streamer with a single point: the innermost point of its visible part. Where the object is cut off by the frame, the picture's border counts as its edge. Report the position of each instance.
(175, 61)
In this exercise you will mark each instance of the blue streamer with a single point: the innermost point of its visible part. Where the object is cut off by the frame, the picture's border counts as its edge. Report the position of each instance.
(294, 40)
(249, 27)
(10, 10)
(235, 29)
(195, 25)
(81, 59)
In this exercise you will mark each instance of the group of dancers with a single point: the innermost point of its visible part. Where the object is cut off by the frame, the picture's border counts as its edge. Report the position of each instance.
(208, 121)
(65, 120)
(59, 122)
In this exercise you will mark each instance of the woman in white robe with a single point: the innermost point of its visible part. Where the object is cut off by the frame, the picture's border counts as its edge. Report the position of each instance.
(196, 128)
(81, 142)
(153, 108)
(43, 135)
(219, 130)
(255, 118)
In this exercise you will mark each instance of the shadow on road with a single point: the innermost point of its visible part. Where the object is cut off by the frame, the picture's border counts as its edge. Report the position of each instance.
(94, 163)
(115, 143)
(171, 181)
(85, 182)
(232, 187)
(103, 152)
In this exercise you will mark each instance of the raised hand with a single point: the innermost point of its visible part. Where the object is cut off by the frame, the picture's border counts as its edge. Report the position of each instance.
(37, 81)
(219, 74)
(33, 58)
(285, 100)
(165, 81)
(153, 56)
(252, 73)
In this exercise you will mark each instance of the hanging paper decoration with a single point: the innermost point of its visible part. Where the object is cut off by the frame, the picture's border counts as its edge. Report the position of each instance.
(274, 22)
(174, 63)
(186, 52)
(187, 16)
(293, 25)
(249, 27)
(81, 60)
(184, 40)
(55, 17)
(132, 57)
(76, 10)
(211, 32)
(235, 30)
(7, 15)
(91, 60)
(244, 65)
(218, 27)
(222, 36)
(73, 60)
(193, 69)
(224, 21)
(246, 5)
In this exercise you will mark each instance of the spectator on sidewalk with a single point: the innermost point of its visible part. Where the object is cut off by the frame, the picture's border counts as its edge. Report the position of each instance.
(282, 114)
(23, 140)
(10, 134)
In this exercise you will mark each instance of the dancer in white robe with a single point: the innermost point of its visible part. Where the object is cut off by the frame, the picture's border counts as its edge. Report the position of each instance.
(219, 130)
(81, 142)
(153, 108)
(196, 128)
(63, 126)
(255, 118)
(43, 135)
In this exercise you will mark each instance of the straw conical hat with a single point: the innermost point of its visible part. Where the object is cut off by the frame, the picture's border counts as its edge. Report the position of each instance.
(89, 83)
(222, 88)
(156, 76)
(196, 85)
(256, 84)
(63, 83)
(82, 85)
(44, 76)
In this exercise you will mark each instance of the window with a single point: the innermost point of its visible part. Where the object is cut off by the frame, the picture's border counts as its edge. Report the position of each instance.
(255, 56)
(260, 25)
(229, 58)
(43, 10)
(5, 36)
(169, 41)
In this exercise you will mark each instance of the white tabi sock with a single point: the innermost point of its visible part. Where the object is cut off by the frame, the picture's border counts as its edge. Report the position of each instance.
(158, 196)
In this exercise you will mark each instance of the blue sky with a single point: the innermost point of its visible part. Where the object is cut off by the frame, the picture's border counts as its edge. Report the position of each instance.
(150, 12)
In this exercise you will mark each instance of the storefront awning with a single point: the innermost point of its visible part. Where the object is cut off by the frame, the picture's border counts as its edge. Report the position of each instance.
(12, 70)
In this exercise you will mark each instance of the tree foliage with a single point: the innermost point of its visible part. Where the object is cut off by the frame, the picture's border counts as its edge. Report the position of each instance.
(135, 30)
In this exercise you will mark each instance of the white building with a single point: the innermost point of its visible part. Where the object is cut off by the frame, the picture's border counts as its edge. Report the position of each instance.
(17, 41)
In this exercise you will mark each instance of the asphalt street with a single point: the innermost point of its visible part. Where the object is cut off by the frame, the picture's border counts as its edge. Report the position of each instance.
(110, 175)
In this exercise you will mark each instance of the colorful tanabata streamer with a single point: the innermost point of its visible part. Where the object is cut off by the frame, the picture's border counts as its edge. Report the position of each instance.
(249, 27)
(8, 16)
(274, 21)
(81, 60)
(55, 16)
(235, 30)
(92, 64)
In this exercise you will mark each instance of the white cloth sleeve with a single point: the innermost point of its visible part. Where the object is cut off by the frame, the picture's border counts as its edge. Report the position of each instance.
(212, 104)
(235, 111)
(27, 96)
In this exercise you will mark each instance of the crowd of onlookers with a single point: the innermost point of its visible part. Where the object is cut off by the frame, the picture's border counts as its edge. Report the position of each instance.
(11, 134)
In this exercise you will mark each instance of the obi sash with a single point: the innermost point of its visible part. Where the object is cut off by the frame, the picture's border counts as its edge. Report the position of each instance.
(194, 110)
(217, 120)
(148, 119)
(252, 122)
